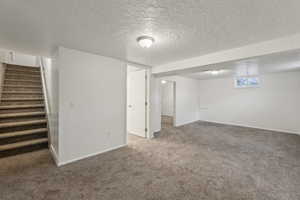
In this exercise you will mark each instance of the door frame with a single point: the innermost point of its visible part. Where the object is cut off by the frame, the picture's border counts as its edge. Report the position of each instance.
(148, 134)
(174, 99)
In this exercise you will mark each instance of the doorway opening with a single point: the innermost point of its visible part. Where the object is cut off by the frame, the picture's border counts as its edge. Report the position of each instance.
(167, 103)
(137, 102)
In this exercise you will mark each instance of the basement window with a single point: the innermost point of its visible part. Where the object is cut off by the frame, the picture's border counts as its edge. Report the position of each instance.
(247, 82)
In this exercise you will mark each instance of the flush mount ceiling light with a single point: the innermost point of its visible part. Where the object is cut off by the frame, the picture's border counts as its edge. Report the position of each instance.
(163, 81)
(215, 72)
(145, 41)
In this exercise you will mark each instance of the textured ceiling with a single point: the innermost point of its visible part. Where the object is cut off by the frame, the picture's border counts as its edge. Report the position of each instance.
(181, 28)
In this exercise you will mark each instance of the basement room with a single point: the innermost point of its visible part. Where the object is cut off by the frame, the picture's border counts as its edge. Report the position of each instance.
(150, 100)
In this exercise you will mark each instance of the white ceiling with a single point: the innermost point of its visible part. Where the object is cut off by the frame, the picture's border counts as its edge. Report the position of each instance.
(181, 28)
(283, 62)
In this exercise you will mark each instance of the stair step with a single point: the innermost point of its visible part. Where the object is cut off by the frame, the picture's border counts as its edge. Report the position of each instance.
(22, 133)
(22, 95)
(22, 92)
(22, 123)
(23, 144)
(7, 73)
(21, 110)
(22, 114)
(18, 71)
(22, 86)
(19, 89)
(21, 106)
(15, 66)
(22, 80)
(22, 99)
(23, 72)
(22, 77)
(23, 68)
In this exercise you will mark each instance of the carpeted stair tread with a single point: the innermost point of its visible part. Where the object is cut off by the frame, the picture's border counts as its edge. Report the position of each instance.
(26, 95)
(21, 106)
(22, 92)
(9, 74)
(12, 71)
(23, 69)
(22, 114)
(22, 144)
(22, 133)
(22, 99)
(23, 80)
(22, 86)
(22, 123)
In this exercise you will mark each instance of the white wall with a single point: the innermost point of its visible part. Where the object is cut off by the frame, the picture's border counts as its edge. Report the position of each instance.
(3, 56)
(155, 105)
(186, 101)
(17, 58)
(51, 90)
(167, 99)
(24, 59)
(92, 104)
(274, 106)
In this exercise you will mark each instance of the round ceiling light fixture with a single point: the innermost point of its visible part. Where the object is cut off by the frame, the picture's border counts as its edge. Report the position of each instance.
(145, 41)
(215, 72)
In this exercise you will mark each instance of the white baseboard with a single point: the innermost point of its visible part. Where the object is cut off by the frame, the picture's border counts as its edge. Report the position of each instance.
(257, 127)
(54, 155)
(90, 155)
(185, 123)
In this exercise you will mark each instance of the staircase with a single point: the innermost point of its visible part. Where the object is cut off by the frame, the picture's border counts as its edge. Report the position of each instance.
(23, 123)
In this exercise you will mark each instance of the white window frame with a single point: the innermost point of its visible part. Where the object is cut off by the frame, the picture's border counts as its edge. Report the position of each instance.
(247, 85)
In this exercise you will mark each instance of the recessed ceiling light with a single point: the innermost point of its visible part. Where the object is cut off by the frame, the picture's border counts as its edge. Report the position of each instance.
(163, 81)
(145, 41)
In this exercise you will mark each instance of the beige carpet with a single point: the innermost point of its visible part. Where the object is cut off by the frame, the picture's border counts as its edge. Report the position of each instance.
(192, 162)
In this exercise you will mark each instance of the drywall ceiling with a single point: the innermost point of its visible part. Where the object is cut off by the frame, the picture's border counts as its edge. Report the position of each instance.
(181, 28)
(283, 62)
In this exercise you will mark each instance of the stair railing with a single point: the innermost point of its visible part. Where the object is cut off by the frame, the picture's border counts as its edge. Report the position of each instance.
(45, 94)
(2, 72)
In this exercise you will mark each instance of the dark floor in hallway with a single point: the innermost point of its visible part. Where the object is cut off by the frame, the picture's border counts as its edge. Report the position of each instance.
(167, 121)
(196, 161)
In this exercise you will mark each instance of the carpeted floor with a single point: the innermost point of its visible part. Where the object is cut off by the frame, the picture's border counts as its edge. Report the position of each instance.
(193, 162)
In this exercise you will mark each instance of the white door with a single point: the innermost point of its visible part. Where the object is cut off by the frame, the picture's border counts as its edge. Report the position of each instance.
(136, 103)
